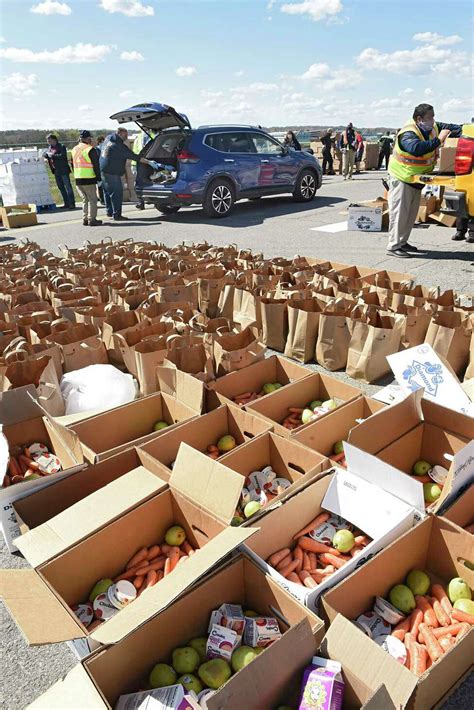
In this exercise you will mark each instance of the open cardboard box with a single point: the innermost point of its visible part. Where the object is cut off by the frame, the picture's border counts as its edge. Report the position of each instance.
(23, 421)
(125, 667)
(252, 378)
(437, 546)
(53, 519)
(461, 512)
(131, 424)
(322, 434)
(201, 432)
(183, 386)
(40, 599)
(274, 409)
(417, 429)
(360, 495)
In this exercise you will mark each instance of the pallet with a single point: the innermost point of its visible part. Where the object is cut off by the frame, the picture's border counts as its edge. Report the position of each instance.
(46, 208)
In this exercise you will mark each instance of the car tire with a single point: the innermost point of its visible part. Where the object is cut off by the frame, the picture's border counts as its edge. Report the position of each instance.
(168, 209)
(219, 199)
(306, 186)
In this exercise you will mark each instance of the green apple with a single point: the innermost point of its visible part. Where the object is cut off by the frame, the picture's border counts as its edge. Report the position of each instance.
(315, 403)
(306, 415)
(158, 426)
(100, 587)
(458, 589)
(277, 386)
(242, 657)
(421, 468)
(175, 536)
(268, 388)
(466, 605)
(226, 443)
(418, 581)
(251, 508)
(199, 644)
(431, 492)
(215, 673)
(185, 659)
(162, 675)
(251, 613)
(329, 404)
(236, 521)
(402, 598)
(338, 447)
(190, 682)
(343, 541)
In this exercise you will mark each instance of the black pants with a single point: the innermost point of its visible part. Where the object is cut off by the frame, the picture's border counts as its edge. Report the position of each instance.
(383, 155)
(463, 224)
(327, 162)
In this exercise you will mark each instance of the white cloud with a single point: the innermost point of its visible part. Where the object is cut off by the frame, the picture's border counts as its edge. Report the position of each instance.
(71, 54)
(131, 8)
(132, 56)
(407, 92)
(84, 108)
(51, 7)
(19, 85)
(125, 94)
(239, 73)
(316, 9)
(257, 87)
(186, 71)
(428, 92)
(464, 106)
(316, 71)
(3, 40)
(435, 38)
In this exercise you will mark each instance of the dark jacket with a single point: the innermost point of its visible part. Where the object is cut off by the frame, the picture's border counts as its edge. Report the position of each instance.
(327, 144)
(114, 155)
(95, 164)
(56, 155)
(410, 142)
(292, 143)
(351, 139)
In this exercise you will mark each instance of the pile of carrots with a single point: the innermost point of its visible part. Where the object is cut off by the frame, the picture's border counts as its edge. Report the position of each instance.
(21, 464)
(431, 630)
(339, 459)
(311, 562)
(293, 420)
(247, 397)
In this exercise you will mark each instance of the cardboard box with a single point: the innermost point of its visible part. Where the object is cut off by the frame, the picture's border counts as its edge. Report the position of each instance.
(438, 547)
(124, 667)
(322, 434)
(274, 409)
(447, 155)
(23, 216)
(421, 367)
(427, 207)
(379, 203)
(415, 430)
(252, 378)
(129, 425)
(182, 386)
(23, 421)
(365, 495)
(461, 512)
(364, 219)
(200, 433)
(448, 220)
(40, 599)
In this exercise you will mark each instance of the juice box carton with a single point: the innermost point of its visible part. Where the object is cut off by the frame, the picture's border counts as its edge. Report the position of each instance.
(322, 687)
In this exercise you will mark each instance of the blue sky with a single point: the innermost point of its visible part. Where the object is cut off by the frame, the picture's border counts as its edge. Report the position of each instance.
(72, 63)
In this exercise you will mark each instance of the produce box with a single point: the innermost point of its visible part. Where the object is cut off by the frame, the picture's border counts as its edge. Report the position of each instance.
(124, 667)
(379, 203)
(364, 219)
(202, 432)
(435, 546)
(40, 599)
(274, 369)
(18, 216)
(323, 434)
(131, 424)
(53, 519)
(427, 207)
(461, 512)
(447, 155)
(364, 495)
(416, 430)
(298, 395)
(183, 386)
(22, 422)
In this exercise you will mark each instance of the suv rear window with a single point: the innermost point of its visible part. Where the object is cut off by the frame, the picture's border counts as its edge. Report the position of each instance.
(167, 145)
(230, 142)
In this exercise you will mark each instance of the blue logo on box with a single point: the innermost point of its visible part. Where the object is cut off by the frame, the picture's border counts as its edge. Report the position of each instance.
(423, 374)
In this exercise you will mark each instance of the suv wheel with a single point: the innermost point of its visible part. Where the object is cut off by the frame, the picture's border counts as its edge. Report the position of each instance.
(305, 189)
(219, 199)
(168, 209)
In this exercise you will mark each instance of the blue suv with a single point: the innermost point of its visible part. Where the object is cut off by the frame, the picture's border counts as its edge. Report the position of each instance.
(214, 166)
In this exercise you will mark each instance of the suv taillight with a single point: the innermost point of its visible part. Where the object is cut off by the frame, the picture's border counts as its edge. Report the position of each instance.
(464, 156)
(185, 156)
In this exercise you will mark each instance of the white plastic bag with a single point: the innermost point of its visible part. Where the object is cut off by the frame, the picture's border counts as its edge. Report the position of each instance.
(97, 387)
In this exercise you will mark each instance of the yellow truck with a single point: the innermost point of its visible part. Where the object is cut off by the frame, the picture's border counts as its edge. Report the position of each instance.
(459, 188)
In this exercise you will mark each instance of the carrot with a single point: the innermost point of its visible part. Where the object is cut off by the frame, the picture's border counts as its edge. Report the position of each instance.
(167, 568)
(298, 555)
(137, 557)
(173, 556)
(439, 593)
(212, 449)
(29, 463)
(337, 457)
(151, 579)
(292, 567)
(277, 557)
(153, 552)
(428, 613)
(402, 628)
(446, 642)
(309, 545)
(318, 520)
(329, 559)
(431, 642)
(418, 659)
(245, 395)
(313, 560)
(318, 576)
(307, 579)
(409, 642)
(159, 575)
(187, 548)
(138, 581)
(285, 562)
(452, 630)
(157, 564)
(465, 628)
(416, 619)
(293, 577)
(462, 616)
(306, 561)
(443, 618)
(165, 548)
(295, 410)
(356, 550)
(361, 540)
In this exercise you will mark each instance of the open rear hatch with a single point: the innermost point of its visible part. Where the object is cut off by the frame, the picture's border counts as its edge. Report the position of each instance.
(152, 117)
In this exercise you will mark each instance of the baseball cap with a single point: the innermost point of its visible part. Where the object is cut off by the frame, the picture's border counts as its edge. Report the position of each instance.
(85, 134)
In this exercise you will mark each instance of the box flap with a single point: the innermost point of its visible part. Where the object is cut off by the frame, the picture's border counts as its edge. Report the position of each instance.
(19, 404)
(182, 386)
(345, 643)
(380, 700)
(447, 419)
(64, 439)
(384, 476)
(75, 690)
(461, 473)
(84, 517)
(157, 598)
(39, 614)
(207, 483)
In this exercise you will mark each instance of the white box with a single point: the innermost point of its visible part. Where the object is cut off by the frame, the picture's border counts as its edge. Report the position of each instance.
(364, 219)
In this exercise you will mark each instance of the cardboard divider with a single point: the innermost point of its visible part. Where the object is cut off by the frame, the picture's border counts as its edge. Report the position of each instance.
(440, 548)
(200, 433)
(274, 409)
(131, 424)
(461, 512)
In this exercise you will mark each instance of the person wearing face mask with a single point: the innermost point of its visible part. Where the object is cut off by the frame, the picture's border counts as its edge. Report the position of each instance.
(415, 153)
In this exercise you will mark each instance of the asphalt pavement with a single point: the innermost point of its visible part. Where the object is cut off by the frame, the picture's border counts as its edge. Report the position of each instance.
(276, 226)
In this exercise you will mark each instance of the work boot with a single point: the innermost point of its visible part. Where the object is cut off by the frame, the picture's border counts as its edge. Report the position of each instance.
(400, 253)
(121, 219)
(95, 222)
(408, 247)
(85, 222)
(470, 238)
(140, 206)
(458, 237)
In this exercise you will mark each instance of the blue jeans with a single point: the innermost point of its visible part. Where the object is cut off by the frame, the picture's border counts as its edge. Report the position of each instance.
(65, 188)
(113, 194)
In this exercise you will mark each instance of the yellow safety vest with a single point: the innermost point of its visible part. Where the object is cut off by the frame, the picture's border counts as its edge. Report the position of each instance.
(81, 162)
(138, 143)
(404, 166)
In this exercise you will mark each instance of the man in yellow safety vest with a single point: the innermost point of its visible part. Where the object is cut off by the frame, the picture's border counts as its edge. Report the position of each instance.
(85, 164)
(415, 153)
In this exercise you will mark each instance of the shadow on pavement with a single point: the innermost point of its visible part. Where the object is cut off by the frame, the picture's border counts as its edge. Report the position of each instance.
(448, 255)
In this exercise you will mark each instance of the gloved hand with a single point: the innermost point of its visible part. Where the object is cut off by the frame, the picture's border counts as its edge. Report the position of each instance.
(153, 164)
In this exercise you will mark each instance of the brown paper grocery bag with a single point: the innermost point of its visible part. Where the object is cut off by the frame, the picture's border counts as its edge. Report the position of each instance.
(150, 353)
(303, 322)
(371, 341)
(333, 337)
(116, 322)
(81, 346)
(184, 292)
(449, 334)
(127, 340)
(20, 349)
(40, 373)
(193, 359)
(236, 351)
(415, 329)
(274, 312)
(469, 374)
